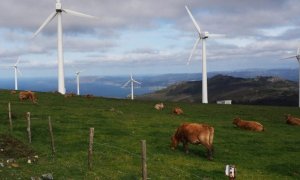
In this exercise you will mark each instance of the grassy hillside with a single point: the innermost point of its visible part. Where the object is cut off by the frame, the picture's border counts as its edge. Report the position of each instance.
(121, 124)
(258, 91)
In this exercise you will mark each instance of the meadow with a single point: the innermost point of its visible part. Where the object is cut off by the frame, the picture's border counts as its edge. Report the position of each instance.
(120, 125)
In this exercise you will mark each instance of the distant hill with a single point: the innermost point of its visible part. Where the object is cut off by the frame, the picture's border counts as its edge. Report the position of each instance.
(259, 90)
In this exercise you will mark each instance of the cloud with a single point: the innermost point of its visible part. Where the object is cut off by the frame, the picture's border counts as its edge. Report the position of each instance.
(150, 33)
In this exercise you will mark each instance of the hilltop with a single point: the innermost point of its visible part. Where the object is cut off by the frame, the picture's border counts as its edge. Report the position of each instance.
(260, 91)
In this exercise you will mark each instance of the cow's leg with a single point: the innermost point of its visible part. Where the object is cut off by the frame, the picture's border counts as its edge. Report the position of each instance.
(186, 147)
(209, 151)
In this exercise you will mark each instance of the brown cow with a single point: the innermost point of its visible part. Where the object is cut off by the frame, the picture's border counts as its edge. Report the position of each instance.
(195, 134)
(24, 95)
(177, 110)
(292, 120)
(89, 96)
(70, 95)
(159, 106)
(249, 125)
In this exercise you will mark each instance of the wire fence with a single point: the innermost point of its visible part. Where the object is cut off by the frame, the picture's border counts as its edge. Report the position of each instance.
(108, 151)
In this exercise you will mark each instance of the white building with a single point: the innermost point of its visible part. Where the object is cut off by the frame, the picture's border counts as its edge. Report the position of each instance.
(224, 102)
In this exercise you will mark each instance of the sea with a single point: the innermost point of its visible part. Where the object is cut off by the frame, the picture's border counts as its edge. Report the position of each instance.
(108, 88)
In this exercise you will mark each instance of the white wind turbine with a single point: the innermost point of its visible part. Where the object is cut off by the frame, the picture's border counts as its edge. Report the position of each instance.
(297, 56)
(202, 36)
(58, 12)
(132, 81)
(78, 81)
(15, 66)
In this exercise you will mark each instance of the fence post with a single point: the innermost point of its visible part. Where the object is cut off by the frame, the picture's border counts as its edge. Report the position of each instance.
(90, 152)
(9, 117)
(51, 135)
(144, 160)
(28, 126)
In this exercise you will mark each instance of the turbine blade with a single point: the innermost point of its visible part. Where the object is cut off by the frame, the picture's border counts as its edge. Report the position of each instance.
(193, 19)
(19, 72)
(136, 81)
(126, 83)
(18, 60)
(193, 50)
(74, 13)
(217, 35)
(288, 57)
(47, 21)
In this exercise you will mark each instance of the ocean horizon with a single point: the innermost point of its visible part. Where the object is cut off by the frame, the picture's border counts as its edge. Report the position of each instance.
(112, 89)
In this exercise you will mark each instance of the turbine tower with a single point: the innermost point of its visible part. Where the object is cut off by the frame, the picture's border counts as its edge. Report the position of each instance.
(58, 12)
(132, 81)
(15, 66)
(202, 36)
(297, 56)
(78, 82)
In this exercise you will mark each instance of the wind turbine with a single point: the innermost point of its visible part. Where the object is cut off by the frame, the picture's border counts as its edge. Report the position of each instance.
(202, 36)
(132, 81)
(78, 82)
(58, 12)
(15, 66)
(297, 56)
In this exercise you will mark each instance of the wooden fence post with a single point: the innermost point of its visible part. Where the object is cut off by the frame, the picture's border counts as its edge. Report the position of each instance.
(51, 135)
(144, 160)
(90, 152)
(9, 117)
(28, 126)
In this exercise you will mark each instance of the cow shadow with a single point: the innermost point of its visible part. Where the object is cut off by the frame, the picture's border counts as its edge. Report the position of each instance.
(194, 151)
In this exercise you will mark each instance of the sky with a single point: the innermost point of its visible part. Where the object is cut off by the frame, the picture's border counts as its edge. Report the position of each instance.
(148, 36)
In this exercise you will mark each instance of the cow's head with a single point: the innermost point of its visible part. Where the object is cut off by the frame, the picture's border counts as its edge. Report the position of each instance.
(236, 120)
(174, 142)
(288, 116)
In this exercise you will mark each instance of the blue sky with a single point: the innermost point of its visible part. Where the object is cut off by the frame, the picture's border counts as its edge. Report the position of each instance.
(148, 37)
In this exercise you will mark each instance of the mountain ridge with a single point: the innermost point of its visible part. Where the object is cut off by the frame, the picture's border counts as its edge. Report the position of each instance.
(261, 90)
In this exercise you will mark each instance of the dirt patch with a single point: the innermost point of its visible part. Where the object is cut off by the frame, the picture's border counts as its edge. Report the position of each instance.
(13, 148)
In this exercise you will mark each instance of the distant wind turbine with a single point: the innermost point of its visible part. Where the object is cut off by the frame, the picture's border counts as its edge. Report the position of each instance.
(132, 81)
(15, 66)
(78, 81)
(58, 12)
(297, 56)
(202, 36)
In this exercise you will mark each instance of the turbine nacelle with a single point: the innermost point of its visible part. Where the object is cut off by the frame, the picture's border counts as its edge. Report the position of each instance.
(58, 7)
(204, 35)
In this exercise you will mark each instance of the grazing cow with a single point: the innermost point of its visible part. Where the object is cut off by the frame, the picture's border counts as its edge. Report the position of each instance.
(24, 95)
(70, 95)
(13, 92)
(292, 120)
(249, 125)
(89, 96)
(159, 106)
(177, 110)
(195, 134)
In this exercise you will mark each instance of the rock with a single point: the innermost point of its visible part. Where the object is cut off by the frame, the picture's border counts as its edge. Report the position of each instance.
(15, 165)
(10, 161)
(47, 176)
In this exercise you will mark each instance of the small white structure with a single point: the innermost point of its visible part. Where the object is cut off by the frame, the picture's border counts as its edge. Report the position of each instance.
(224, 102)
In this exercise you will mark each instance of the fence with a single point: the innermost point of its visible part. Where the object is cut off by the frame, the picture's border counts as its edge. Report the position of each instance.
(93, 151)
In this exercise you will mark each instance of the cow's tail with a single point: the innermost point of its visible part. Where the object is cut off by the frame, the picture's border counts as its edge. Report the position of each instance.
(211, 138)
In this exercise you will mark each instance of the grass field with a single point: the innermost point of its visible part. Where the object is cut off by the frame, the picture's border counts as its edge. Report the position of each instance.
(121, 124)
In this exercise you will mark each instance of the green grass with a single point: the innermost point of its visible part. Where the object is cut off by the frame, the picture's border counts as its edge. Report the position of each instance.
(121, 124)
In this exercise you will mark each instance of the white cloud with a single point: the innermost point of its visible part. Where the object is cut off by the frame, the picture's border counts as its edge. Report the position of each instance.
(149, 34)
